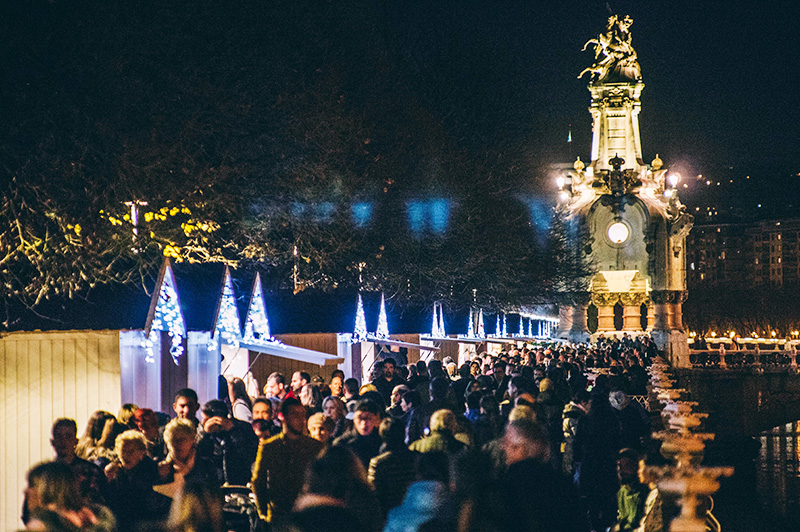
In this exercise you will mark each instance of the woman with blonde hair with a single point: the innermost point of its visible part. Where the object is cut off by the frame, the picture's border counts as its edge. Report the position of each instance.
(334, 408)
(131, 480)
(182, 465)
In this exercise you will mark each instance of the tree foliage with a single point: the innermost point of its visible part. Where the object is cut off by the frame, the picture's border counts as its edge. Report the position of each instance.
(247, 132)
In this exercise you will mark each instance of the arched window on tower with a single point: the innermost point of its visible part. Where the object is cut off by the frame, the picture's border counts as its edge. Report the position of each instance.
(643, 316)
(618, 316)
(591, 318)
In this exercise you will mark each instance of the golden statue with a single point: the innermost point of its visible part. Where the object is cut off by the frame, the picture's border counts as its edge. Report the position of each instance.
(614, 56)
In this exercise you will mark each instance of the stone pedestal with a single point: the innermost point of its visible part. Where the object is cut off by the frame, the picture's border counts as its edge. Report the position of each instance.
(631, 311)
(565, 313)
(579, 331)
(605, 319)
(631, 318)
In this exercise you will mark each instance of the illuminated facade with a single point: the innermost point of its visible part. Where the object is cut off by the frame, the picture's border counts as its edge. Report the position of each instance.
(632, 225)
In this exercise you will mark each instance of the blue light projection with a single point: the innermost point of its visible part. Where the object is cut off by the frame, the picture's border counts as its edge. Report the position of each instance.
(431, 215)
(324, 212)
(439, 212)
(362, 213)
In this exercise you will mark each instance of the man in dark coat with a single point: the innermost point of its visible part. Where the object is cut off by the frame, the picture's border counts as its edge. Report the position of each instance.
(556, 505)
(230, 444)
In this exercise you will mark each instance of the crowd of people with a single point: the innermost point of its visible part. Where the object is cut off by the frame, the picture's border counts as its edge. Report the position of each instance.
(540, 439)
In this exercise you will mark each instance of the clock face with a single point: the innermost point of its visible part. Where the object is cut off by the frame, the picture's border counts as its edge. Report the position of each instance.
(618, 232)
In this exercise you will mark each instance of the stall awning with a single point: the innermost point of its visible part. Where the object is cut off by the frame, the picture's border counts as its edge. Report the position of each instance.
(464, 340)
(295, 353)
(407, 345)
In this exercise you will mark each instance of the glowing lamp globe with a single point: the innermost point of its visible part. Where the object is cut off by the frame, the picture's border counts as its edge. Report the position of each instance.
(674, 179)
(618, 232)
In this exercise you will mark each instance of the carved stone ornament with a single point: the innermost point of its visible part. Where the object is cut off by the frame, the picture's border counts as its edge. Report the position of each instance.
(633, 299)
(607, 299)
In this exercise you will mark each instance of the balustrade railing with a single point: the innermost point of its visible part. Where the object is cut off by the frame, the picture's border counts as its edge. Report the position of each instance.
(772, 359)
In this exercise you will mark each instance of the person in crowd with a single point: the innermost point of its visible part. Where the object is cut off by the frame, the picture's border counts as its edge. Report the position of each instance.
(392, 471)
(182, 465)
(412, 416)
(337, 383)
(549, 410)
(276, 387)
(92, 484)
(334, 409)
(438, 393)
(350, 390)
(632, 493)
(277, 478)
(125, 415)
(441, 438)
(427, 504)
(299, 379)
(147, 423)
(595, 448)
(423, 381)
(91, 479)
(336, 496)
(130, 481)
(263, 411)
(633, 420)
(241, 405)
(501, 380)
(261, 428)
(311, 398)
(320, 428)
(54, 502)
(527, 448)
(387, 382)
(197, 509)
(97, 443)
(573, 412)
(229, 444)
(186, 405)
(363, 439)
(653, 518)
(394, 409)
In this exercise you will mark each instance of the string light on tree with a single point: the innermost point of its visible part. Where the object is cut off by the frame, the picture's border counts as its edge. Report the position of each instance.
(360, 332)
(227, 327)
(383, 323)
(481, 329)
(471, 326)
(167, 318)
(256, 327)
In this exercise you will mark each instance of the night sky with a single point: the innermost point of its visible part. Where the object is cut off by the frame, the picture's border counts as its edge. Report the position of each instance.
(720, 77)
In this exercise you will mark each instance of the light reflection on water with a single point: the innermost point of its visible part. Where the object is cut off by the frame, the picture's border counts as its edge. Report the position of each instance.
(779, 469)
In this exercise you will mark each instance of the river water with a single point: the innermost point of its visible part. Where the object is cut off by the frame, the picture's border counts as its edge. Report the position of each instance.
(778, 472)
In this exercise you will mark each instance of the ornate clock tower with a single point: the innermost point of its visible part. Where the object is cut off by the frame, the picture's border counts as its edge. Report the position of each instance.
(634, 225)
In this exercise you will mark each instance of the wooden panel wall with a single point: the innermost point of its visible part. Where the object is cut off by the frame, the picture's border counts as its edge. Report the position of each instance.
(263, 365)
(204, 367)
(140, 380)
(44, 376)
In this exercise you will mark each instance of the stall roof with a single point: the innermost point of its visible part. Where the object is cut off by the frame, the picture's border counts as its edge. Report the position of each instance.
(398, 343)
(282, 350)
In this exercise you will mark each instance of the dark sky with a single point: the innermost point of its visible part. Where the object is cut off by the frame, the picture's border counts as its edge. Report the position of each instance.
(721, 77)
